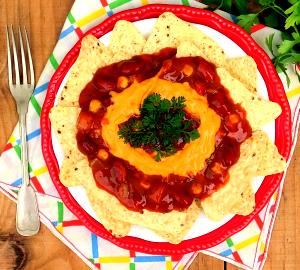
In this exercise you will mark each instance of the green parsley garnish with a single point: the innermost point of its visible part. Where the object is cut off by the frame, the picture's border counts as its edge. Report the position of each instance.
(160, 127)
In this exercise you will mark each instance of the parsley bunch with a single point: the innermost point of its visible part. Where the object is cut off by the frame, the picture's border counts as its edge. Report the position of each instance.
(161, 125)
(282, 15)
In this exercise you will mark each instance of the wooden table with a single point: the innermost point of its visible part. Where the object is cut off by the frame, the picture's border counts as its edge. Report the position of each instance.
(44, 20)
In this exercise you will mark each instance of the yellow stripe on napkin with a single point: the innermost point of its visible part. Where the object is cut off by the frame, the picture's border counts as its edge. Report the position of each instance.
(40, 171)
(93, 16)
(120, 259)
(247, 242)
(293, 92)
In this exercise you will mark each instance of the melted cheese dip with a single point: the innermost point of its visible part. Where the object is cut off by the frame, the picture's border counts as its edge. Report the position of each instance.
(189, 160)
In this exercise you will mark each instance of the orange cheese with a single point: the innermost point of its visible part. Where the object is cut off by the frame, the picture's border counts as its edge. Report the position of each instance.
(189, 160)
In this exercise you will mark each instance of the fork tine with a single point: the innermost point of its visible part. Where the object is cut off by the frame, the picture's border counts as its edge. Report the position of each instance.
(15, 56)
(29, 58)
(24, 69)
(8, 57)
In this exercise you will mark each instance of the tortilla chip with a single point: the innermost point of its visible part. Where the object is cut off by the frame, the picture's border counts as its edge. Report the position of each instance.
(63, 121)
(216, 207)
(116, 227)
(186, 49)
(271, 161)
(176, 237)
(73, 171)
(102, 207)
(237, 196)
(125, 41)
(73, 167)
(259, 111)
(93, 55)
(246, 204)
(170, 222)
(226, 200)
(174, 224)
(244, 69)
(170, 31)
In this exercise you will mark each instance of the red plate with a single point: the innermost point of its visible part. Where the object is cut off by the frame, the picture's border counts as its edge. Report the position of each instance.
(276, 93)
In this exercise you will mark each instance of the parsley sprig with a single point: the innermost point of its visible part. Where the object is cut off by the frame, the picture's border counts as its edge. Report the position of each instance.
(160, 126)
(282, 15)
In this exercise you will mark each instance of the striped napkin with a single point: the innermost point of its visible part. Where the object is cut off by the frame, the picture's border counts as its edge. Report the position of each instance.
(246, 249)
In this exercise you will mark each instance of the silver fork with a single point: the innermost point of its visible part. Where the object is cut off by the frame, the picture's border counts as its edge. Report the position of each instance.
(27, 216)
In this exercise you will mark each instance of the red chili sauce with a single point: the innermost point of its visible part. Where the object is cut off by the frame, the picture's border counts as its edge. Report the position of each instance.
(132, 187)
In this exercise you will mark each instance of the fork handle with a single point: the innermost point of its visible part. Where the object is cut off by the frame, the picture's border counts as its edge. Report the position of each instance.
(24, 148)
(27, 216)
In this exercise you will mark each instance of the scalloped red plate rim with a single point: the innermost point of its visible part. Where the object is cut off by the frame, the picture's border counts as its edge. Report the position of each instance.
(276, 93)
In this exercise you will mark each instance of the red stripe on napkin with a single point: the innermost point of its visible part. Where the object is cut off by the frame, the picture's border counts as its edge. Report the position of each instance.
(37, 185)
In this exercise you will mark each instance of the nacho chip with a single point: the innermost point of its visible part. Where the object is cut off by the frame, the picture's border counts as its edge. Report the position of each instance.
(246, 204)
(170, 31)
(187, 48)
(271, 161)
(176, 237)
(63, 120)
(244, 69)
(125, 41)
(93, 55)
(226, 200)
(100, 206)
(237, 196)
(259, 111)
(73, 171)
(73, 168)
(174, 222)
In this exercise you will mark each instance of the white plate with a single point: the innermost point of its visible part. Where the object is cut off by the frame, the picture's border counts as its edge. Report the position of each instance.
(202, 225)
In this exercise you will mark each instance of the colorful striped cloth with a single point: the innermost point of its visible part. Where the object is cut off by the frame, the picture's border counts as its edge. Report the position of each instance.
(247, 249)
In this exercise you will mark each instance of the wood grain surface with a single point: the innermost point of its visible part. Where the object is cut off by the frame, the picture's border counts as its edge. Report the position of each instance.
(44, 20)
